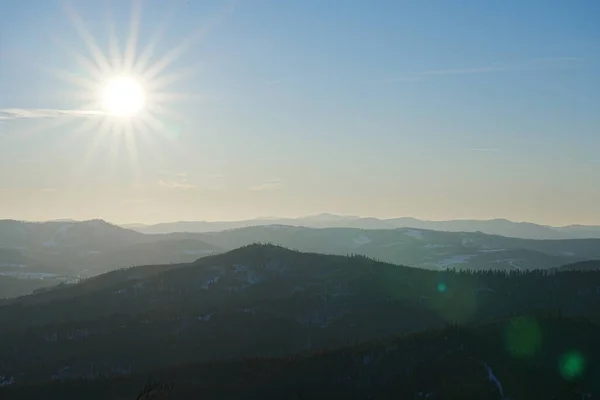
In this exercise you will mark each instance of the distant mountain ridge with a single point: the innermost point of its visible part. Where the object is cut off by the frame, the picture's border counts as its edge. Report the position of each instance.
(502, 227)
(47, 253)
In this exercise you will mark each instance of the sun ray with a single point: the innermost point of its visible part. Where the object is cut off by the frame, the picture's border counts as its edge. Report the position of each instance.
(114, 51)
(87, 37)
(131, 148)
(164, 111)
(85, 63)
(141, 64)
(161, 82)
(76, 80)
(129, 57)
(161, 130)
(144, 133)
(164, 97)
(85, 127)
(113, 154)
(153, 71)
(99, 134)
(176, 52)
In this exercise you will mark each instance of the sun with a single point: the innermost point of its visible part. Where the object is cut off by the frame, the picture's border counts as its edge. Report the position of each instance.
(123, 96)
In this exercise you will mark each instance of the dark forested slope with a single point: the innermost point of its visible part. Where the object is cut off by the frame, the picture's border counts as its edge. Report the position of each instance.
(259, 300)
(517, 358)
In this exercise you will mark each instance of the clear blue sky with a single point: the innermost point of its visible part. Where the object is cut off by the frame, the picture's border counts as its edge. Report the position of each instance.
(432, 109)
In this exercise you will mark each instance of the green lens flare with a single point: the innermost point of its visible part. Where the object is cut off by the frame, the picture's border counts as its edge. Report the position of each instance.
(571, 365)
(441, 287)
(523, 337)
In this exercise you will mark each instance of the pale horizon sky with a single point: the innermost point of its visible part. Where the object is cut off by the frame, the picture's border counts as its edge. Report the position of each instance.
(436, 110)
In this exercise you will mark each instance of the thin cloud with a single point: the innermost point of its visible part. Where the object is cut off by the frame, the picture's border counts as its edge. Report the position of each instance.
(463, 71)
(533, 64)
(181, 184)
(22, 113)
(269, 185)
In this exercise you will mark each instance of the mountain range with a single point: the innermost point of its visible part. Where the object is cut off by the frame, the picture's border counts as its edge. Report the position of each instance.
(39, 255)
(501, 227)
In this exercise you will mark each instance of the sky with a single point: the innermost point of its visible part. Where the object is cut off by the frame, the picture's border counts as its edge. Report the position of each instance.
(431, 109)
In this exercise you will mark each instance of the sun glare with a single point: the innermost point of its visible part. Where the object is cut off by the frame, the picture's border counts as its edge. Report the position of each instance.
(124, 90)
(123, 96)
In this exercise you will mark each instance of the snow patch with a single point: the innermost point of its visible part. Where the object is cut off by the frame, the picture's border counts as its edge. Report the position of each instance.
(254, 278)
(210, 281)
(436, 246)
(509, 261)
(12, 265)
(454, 260)
(205, 317)
(240, 268)
(414, 233)
(6, 380)
(466, 242)
(28, 275)
(60, 231)
(492, 378)
(391, 244)
(359, 241)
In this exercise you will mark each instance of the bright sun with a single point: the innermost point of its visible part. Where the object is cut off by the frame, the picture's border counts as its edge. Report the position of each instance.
(123, 96)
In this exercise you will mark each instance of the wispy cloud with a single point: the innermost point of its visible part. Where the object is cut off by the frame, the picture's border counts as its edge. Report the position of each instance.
(533, 64)
(464, 71)
(22, 113)
(179, 181)
(268, 185)
(182, 184)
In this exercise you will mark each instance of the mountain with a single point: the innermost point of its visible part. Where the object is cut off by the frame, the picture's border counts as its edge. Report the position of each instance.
(415, 247)
(501, 227)
(100, 234)
(259, 300)
(516, 358)
(61, 251)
